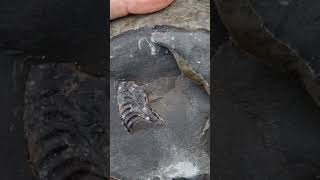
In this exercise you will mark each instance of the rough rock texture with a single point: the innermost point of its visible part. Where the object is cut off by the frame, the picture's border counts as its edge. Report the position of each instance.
(66, 126)
(283, 34)
(45, 29)
(172, 150)
(190, 14)
(297, 23)
(14, 158)
(191, 50)
(266, 125)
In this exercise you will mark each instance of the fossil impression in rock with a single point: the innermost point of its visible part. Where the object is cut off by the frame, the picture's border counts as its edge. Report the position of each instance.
(190, 48)
(144, 57)
(133, 106)
(64, 123)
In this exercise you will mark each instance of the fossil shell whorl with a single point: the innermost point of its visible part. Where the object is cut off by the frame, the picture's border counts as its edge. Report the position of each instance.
(133, 105)
(148, 52)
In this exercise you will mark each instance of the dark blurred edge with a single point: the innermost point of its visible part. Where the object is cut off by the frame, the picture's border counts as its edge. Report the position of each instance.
(218, 36)
(39, 31)
(107, 73)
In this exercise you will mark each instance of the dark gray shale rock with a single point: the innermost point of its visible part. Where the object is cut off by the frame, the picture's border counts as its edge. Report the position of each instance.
(65, 123)
(284, 33)
(191, 50)
(265, 125)
(175, 149)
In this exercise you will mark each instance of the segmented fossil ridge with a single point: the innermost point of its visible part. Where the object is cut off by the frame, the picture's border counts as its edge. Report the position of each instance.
(133, 105)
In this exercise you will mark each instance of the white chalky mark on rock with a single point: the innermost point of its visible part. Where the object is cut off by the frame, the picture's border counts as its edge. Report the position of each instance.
(181, 169)
(152, 38)
(144, 109)
(139, 43)
(153, 48)
(151, 45)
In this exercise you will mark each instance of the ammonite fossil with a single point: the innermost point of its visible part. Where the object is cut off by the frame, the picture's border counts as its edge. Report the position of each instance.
(190, 48)
(133, 105)
(145, 58)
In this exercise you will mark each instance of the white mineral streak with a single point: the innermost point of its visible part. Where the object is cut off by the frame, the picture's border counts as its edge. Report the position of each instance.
(139, 43)
(144, 110)
(180, 166)
(151, 45)
(182, 169)
(206, 128)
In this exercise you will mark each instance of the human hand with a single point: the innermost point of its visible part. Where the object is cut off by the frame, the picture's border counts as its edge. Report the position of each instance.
(120, 8)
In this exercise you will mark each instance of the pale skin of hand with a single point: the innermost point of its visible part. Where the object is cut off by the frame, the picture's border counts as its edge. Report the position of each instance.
(120, 8)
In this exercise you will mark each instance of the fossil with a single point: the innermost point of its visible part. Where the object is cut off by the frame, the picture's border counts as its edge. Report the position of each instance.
(64, 123)
(190, 48)
(143, 57)
(133, 105)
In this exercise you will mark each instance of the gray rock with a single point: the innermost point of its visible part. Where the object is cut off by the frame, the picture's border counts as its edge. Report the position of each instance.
(265, 124)
(64, 122)
(283, 33)
(191, 14)
(169, 151)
